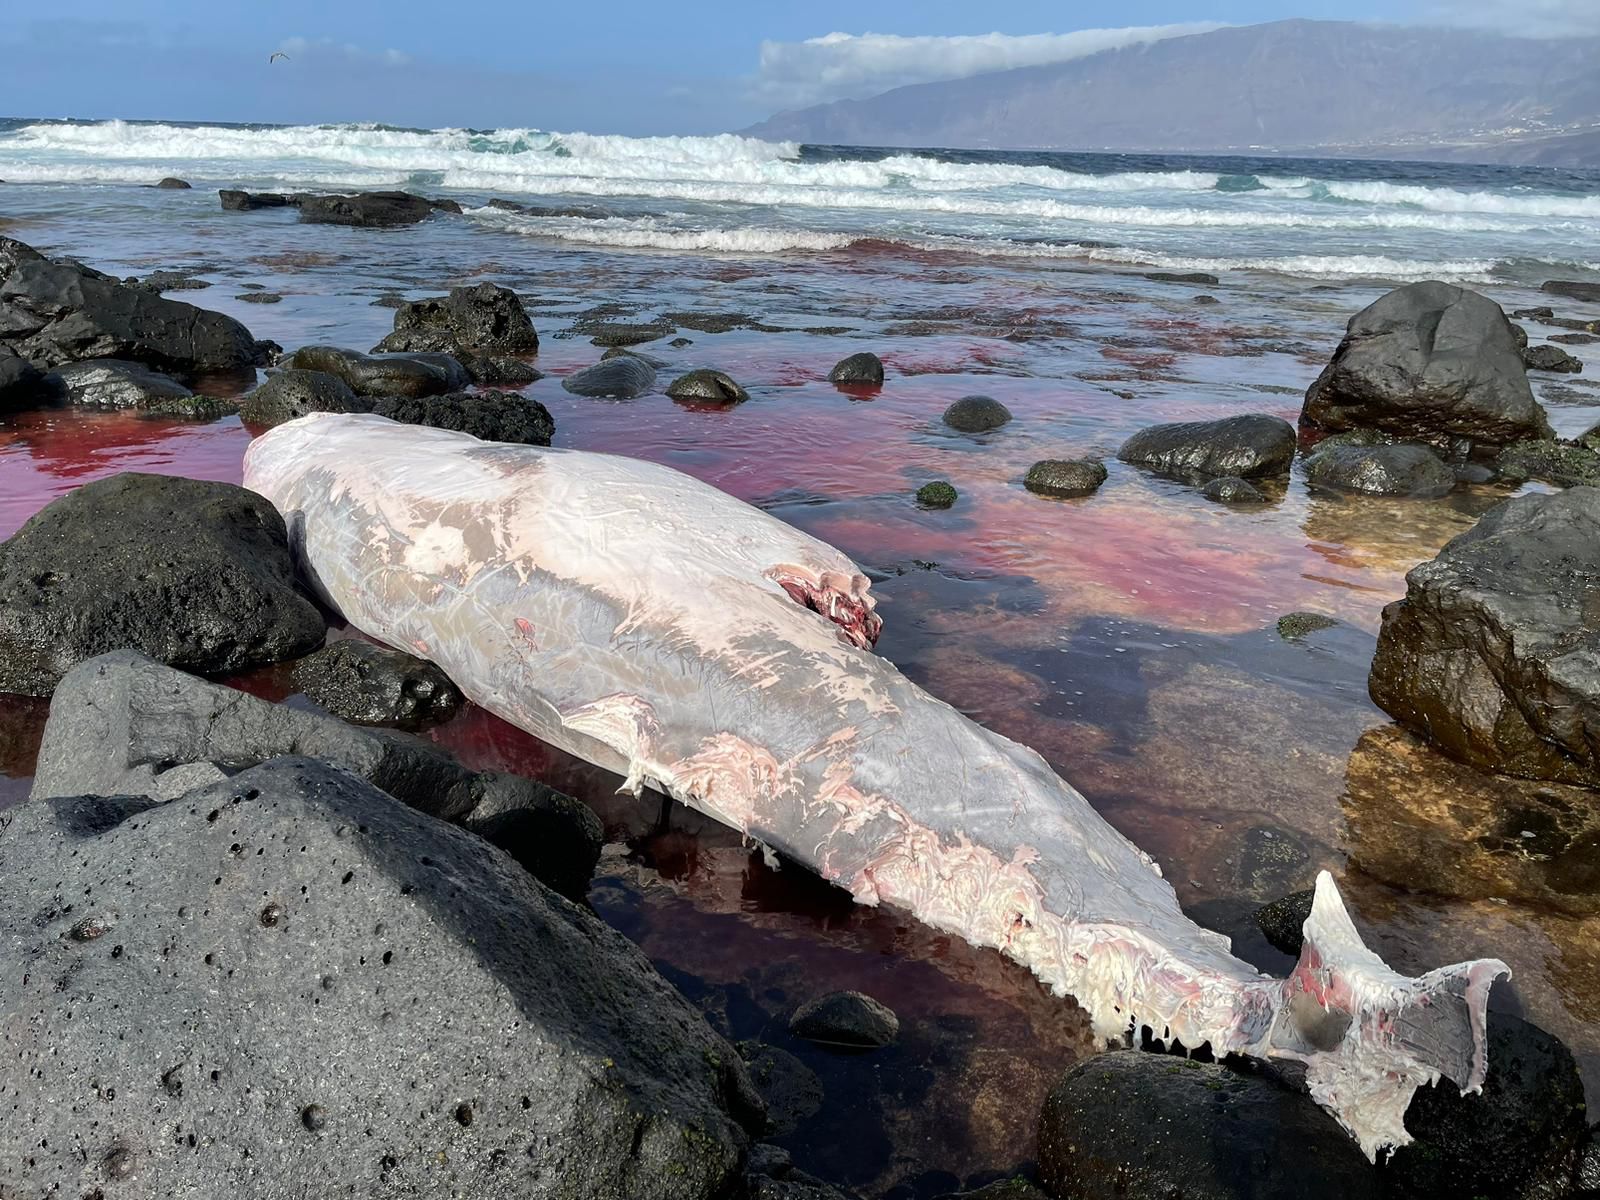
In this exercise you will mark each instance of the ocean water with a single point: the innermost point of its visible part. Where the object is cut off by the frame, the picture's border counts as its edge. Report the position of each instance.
(1129, 636)
(1312, 217)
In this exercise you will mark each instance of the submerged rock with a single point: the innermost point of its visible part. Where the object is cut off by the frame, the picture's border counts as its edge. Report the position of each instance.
(1247, 447)
(1551, 358)
(194, 574)
(1293, 626)
(938, 494)
(352, 997)
(60, 312)
(1136, 1126)
(373, 685)
(1405, 469)
(1493, 653)
(1230, 489)
(112, 383)
(863, 368)
(295, 392)
(1004, 1189)
(791, 1091)
(492, 416)
(1283, 921)
(124, 725)
(1565, 464)
(482, 317)
(707, 387)
(1065, 477)
(235, 200)
(849, 1019)
(407, 375)
(1203, 278)
(1433, 362)
(976, 414)
(626, 377)
(172, 183)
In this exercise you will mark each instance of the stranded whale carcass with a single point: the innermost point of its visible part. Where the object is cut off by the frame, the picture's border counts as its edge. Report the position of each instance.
(657, 627)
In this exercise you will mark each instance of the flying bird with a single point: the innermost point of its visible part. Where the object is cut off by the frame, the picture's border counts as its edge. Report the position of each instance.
(275, 56)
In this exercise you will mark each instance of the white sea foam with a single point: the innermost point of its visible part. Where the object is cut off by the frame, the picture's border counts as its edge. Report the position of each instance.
(1449, 200)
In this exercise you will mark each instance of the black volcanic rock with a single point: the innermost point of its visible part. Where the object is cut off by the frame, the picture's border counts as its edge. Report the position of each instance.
(409, 375)
(1247, 447)
(1430, 362)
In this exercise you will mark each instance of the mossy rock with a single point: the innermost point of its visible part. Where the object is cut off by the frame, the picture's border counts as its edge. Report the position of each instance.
(938, 494)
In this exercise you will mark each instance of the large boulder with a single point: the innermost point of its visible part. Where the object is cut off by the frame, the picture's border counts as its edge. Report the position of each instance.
(626, 377)
(58, 312)
(483, 317)
(1403, 469)
(288, 984)
(369, 210)
(1136, 1126)
(491, 416)
(194, 574)
(409, 375)
(1433, 362)
(112, 383)
(1494, 654)
(1520, 1138)
(123, 725)
(295, 392)
(1247, 447)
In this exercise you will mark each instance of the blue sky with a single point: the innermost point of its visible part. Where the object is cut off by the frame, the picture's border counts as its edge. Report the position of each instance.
(626, 66)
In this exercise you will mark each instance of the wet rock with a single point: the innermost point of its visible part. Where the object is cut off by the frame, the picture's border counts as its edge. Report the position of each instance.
(1296, 625)
(169, 281)
(976, 414)
(791, 1091)
(1522, 1137)
(1540, 313)
(409, 375)
(1230, 489)
(59, 312)
(1065, 477)
(1575, 339)
(191, 573)
(1426, 823)
(373, 685)
(795, 1185)
(626, 377)
(1197, 277)
(1406, 469)
(1283, 921)
(483, 317)
(707, 387)
(622, 333)
(172, 183)
(1573, 290)
(1248, 447)
(368, 210)
(24, 385)
(1004, 1189)
(849, 1019)
(417, 1017)
(234, 200)
(498, 370)
(1205, 299)
(1135, 1126)
(938, 494)
(260, 297)
(1551, 358)
(863, 368)
(1565, 464)
(1432, 362)
(111, 383)
(123, 724)
(293, 392)
(1493, 653)
(491, 416)
(652, 360)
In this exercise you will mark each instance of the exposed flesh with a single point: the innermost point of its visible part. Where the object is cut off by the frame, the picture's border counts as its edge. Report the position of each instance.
(642, 620)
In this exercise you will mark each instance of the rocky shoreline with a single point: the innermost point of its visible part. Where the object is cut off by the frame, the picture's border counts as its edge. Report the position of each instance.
(435, 938)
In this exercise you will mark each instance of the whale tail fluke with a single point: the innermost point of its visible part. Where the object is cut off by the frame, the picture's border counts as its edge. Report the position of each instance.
(1370, 1036)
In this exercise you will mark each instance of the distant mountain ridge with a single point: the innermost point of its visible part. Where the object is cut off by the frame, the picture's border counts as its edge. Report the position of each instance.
(1308, 87)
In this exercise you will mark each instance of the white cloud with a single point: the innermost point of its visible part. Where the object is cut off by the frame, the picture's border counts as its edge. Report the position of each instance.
(300, 47)
(1524, 18)
(793, 74)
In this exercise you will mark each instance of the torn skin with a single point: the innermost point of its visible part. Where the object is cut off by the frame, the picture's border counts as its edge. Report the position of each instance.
(642, 620)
